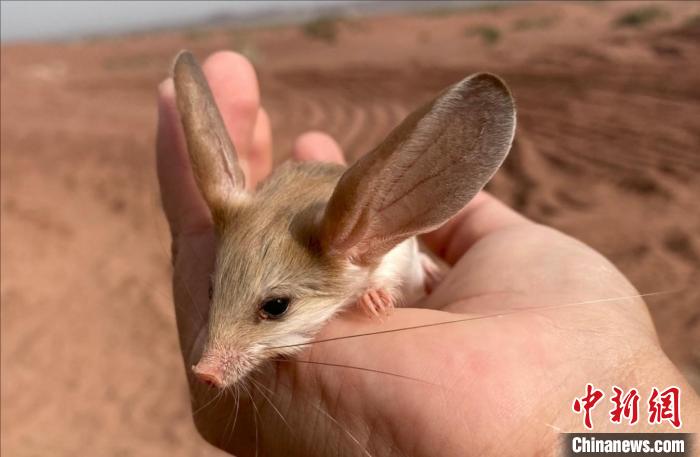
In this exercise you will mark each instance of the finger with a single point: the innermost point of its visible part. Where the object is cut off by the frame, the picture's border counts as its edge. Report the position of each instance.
(192, 268)
(318, 146)
(235, 87)
(260, 157)
(483, 215)
(184, 206)
(187, 215)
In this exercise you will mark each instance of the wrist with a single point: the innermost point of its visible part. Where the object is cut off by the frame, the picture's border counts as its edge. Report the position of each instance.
(651, 370)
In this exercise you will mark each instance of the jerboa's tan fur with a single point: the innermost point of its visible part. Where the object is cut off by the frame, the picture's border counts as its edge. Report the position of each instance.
(269, 247)
(272, 248)
(321, 234)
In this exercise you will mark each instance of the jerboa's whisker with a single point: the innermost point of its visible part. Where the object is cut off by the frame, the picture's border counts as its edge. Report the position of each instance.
(480, 317)
(371, 370)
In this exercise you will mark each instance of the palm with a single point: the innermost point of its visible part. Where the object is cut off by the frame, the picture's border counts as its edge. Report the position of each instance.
(498, 370)
(470, 380)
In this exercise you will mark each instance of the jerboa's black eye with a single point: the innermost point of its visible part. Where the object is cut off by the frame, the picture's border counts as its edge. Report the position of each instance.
(274, 308)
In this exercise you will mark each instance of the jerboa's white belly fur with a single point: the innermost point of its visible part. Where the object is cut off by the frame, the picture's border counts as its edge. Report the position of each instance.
(401, 273)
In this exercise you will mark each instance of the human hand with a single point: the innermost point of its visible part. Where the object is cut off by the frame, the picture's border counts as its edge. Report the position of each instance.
(491, 386)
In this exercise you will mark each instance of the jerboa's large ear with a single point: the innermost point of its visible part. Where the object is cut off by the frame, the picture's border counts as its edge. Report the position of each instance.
(213, 156)
(423, 173)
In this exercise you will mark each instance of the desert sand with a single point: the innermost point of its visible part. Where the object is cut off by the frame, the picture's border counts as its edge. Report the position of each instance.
(607, 150)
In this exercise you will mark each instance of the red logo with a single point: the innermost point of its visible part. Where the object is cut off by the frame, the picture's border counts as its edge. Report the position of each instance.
(586, 403)
(626, 406)
(665, 405)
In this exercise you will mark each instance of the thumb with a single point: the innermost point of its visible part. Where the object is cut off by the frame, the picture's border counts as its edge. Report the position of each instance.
(483, 215)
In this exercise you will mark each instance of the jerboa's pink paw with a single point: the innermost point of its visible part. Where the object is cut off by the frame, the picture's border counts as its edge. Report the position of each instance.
(376, 303)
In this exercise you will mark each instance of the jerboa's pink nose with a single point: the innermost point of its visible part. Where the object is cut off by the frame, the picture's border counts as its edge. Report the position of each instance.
(210, 371)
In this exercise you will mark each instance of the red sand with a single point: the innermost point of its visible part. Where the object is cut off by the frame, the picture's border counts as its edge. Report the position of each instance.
(607, 151)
